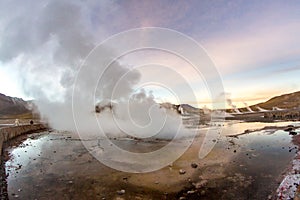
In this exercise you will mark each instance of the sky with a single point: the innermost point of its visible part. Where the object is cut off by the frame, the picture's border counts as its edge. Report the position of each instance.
(254, 45)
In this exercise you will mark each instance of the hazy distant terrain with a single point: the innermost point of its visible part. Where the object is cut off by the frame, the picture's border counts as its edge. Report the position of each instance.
(13, 106)
(285, 101)
(18, 106)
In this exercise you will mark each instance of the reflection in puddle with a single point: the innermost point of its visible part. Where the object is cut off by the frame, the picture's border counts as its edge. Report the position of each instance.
(56, 165)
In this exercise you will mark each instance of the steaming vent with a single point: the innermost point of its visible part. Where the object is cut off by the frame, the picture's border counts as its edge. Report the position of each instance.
(103, 106)
(276, 108)
(261, 109)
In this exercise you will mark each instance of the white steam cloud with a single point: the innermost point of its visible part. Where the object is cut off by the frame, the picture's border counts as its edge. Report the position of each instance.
(46, 41)
(234, 107)
(248, 108)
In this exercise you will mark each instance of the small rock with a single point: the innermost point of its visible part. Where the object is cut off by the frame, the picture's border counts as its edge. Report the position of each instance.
(289, 129)
(181, 171)
(182, 198)
(191, 192)
(194, 165)
(202, 192)
(200, 184)
(270, 197)
(293, 133)
(120, 192)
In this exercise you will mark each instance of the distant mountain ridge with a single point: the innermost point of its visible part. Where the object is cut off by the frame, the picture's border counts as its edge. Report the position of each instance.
(285, 101)
(16, 106)
(13, 105)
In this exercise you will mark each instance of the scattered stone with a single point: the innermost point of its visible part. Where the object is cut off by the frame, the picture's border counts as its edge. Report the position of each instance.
(181, 171)
(194, 165)
(15, 195)
(297, 194)
(121, 192)
(247, 131)
(287, 188)
(191, 192)
(182, 198)
(202, 192)
(156, 182)
(200, 184)
(293, 133)
(289, 129)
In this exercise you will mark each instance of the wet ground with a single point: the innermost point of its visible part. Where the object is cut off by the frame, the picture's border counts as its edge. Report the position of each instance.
(55, 165)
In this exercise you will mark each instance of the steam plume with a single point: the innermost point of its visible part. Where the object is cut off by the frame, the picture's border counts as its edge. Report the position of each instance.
(236, 110)
(248, 108)
(46, 41)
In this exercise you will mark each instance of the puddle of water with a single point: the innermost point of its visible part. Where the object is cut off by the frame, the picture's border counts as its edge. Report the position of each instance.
(261, 159)
(233, 128)
(56, 165)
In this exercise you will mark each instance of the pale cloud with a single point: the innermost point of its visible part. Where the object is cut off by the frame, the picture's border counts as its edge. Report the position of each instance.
(242, 37)
(265, 46)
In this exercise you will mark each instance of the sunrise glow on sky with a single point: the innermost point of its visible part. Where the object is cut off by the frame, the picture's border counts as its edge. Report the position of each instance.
(255, 45)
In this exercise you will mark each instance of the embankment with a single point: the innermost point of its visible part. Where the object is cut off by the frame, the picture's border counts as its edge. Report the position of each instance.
(8, 133)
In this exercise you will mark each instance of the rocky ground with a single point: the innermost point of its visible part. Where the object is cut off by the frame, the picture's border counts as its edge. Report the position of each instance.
(289, 188)
(55, 165)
